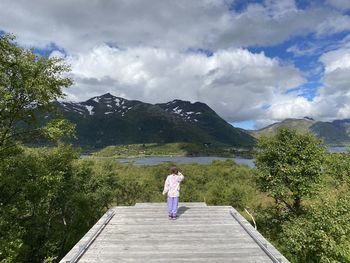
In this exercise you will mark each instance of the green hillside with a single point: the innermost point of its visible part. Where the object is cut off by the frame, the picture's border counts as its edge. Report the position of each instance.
(109, 120)
(302, 125)
(332, 133)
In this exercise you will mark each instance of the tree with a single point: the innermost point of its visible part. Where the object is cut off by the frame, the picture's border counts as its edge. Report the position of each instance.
(49, 202)
(28, 85)
(338, 168)
(289, 166)
(30, 180)
(322, 234)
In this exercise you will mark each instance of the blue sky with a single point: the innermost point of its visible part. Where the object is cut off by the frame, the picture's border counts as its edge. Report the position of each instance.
(253, 62)
(308, 62)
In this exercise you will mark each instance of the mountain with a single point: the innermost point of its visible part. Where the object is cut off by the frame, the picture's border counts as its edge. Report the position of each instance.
(345, 123)
(333, 133)
(109, 120)
(301, 125)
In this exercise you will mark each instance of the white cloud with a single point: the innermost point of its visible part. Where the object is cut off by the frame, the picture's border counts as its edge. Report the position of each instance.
(235, 82)
(340, 4)
(337, 71)
(304, 49)
(332, 100)
(139, 50)
(57, 54)
(81, 25)
(291, 106)
(333, 24)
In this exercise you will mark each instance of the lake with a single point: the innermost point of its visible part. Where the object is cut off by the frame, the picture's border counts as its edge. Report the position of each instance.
(154, 160)
(337, 149)
(182, 160)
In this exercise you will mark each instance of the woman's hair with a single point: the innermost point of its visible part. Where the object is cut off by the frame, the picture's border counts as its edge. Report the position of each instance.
(174, 170)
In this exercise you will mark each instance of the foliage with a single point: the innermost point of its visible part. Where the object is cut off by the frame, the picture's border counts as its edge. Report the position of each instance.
(222, 182)
(322, 234)
(28, 85)
(49, 199)
(31, 180)
(338, 167)
(289, 167)
(32, 184)
(57, 129)
(230, 184)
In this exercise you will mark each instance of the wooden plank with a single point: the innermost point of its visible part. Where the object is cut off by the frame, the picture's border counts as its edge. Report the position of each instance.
(176, 253)
(143, 233)
(193, 204)
(176, 257)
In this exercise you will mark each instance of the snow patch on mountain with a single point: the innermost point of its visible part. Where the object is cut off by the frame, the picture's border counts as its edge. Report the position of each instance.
(90, 108)
(177, 110)
(109, 104)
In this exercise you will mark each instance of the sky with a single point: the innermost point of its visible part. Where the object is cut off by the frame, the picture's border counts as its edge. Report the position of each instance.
(253, 62)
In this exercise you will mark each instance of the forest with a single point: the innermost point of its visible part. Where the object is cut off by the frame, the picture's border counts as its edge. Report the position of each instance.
(298, 193)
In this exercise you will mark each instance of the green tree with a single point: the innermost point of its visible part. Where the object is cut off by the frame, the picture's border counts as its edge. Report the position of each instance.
(50, 200)
(322, 234)
(31, 184)
(289, 167)
(30, 180)
(29, 84)
(338, 168)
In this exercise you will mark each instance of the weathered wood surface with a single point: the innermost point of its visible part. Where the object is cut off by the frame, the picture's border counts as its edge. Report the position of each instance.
(143, 233)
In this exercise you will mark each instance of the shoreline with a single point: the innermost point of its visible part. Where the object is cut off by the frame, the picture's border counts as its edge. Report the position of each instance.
(86, 156)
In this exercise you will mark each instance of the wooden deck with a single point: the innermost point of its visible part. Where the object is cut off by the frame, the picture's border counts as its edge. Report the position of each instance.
(143, 233)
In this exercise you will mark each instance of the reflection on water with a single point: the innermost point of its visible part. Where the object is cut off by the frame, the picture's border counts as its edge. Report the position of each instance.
(183, 160)
(337, 149)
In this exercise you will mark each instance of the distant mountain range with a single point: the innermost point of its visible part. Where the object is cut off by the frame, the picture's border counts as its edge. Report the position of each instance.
(109, 120)
(333, 133)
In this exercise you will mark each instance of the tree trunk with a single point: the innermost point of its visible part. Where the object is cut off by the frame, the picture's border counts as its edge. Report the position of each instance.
(297, 203)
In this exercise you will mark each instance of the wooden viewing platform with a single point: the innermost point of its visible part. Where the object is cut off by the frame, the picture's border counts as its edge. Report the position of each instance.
(143, 233)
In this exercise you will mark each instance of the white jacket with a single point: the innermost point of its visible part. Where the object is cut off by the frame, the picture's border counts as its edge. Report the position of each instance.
(172, 185)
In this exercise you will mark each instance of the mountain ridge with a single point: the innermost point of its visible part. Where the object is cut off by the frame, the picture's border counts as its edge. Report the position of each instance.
(335, 133)
(108, 120)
